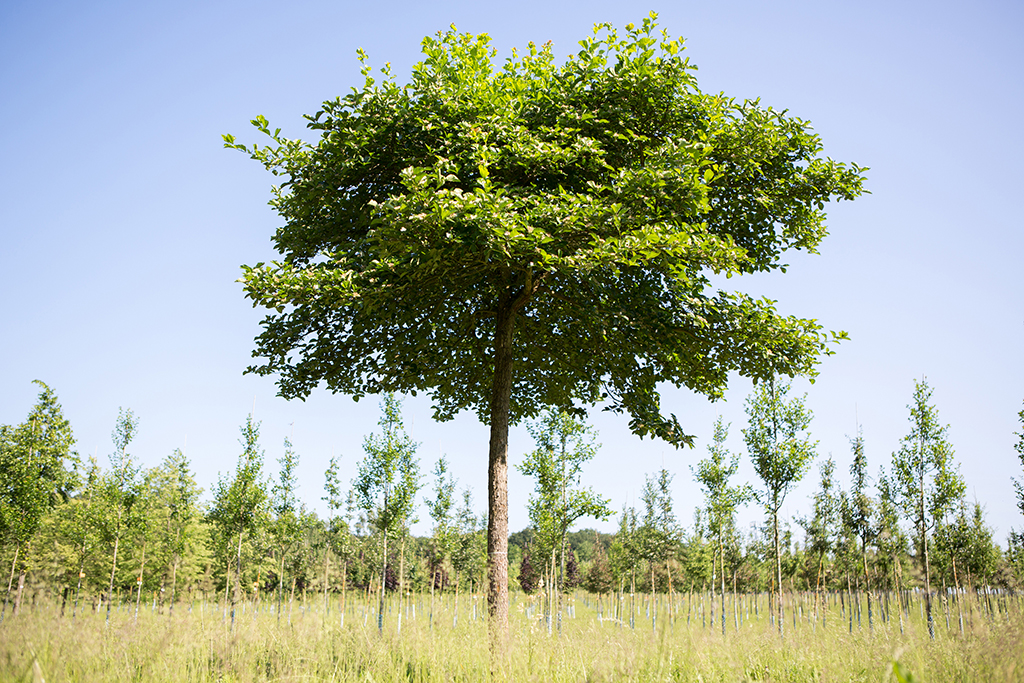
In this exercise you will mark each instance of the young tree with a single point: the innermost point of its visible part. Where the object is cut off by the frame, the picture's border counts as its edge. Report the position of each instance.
(1018, 484)
(889, 538)
(861, 510)
(36, 473)
(441, 509)
(928, 481)
(626, 554)
(659, 529)
(781, 451)
(564, 444)
(720, 499)
(466, 234)
(386, 483)
(120, 491)
(239, 503)
(820, 529)
(178, 498)
(285, 506)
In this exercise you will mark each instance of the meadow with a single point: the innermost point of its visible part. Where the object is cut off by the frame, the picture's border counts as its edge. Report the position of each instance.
(674, 641)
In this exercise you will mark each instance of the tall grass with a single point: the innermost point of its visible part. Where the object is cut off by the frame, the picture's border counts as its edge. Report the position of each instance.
(314, 645)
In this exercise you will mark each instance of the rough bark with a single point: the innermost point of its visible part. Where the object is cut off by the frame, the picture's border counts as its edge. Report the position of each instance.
(497, 482)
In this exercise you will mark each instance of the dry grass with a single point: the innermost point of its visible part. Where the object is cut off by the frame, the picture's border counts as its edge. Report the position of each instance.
(202, 646)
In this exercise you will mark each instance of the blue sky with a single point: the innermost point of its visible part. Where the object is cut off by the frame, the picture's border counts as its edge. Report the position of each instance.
(123, 221)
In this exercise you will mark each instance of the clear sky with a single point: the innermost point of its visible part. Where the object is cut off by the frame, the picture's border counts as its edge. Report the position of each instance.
(123, 221)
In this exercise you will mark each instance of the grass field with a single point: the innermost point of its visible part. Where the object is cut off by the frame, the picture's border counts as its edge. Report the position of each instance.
(313, 645)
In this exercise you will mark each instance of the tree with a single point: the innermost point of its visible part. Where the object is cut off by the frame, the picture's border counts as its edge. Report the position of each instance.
(178, 497)
(720, 499)
(120, 490)
(441, 510)
(781, 452)
(820, 529)
(626, 553)
(889, 538)
(443, 537)
(928, 481)
(36, 473)
(659, 529)
(1018, 484)
(861, 509)
(564, 444)
(239, 504)
(466, 234)
(285, 506)
(386, 483)
(529, 577)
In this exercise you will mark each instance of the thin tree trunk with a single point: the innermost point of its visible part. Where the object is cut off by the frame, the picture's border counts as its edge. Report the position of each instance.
(280, 587)
(327, 572)
(142, 571)
(383, 583)
(21, 591)
(778, 569)
(924, 549)
(10, 581)
(721, 553)
(113, 568)
(238, 580)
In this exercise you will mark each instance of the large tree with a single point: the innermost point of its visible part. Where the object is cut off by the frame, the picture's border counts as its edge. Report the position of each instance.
(528, 235)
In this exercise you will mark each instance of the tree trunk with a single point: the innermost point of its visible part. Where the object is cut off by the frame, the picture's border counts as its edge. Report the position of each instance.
(721, 553)
(78, 588)
(21, 591)
(238, 580)
(927, 568)
(280, 587)
(497, 483)
(10, 582)
(113, 568)
(142, 571)
(327, 572)
(778, 568)
(383, 586)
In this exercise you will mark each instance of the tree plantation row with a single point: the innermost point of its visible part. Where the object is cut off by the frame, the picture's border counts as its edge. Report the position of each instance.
(94, 538)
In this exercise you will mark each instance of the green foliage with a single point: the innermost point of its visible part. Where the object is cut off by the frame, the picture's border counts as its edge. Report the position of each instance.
(441, 511)
(387, 478)
(889, 539)
(627, 548)
(564, 444)
(239, 503)
(469, 550)
(964, 547)
(581, 204)
(1018, 484)
(779, 451)
(720, 499)
(468, 232)
(820, 529)
(37, 467)
(927, 479)
(861, 505)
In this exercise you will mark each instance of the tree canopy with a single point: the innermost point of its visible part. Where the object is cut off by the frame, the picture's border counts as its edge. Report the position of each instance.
(468, 233)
